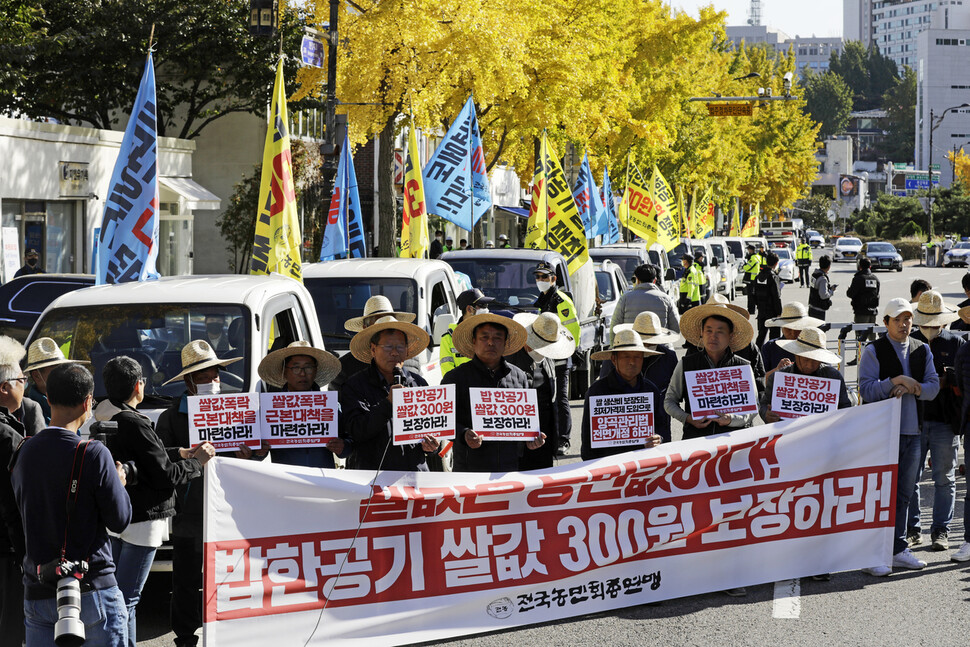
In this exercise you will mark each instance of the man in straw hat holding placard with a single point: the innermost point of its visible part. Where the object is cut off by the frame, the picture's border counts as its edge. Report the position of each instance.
(487, 339)
(792, 320)
(42, 356)
(898, 366)
(940, 419)
(376, 307)
(366, 398)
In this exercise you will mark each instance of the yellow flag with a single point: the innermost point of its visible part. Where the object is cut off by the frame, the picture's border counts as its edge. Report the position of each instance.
(623, 211)
(414, 228)
(535, 233)
(735, 219)
(640, 217)
(703, 214)
(753, 226)
(683, 227)
(666, 211)
(276, 245)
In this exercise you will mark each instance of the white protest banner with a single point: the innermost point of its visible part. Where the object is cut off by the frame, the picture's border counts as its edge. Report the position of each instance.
(423, 411)
(352, 557)
(794, 396)
(11, 252)
(227, 420)
(717, 391)
(505, 414)
(304, 419)
(616, 420)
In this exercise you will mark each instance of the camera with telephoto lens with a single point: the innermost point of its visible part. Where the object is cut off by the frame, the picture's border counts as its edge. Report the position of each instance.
(106, 431)
(67, 576)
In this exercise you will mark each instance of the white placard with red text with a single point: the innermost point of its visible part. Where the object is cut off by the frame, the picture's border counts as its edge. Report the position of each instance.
(423, 411)
(505, 414)
(794, 396)
(298, 419)
(717, 391)
(352, 557)
(619, 420)
(227, 420)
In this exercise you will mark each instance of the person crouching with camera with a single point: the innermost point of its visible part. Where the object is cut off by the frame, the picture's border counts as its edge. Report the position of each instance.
(70, 591)
(152, 473)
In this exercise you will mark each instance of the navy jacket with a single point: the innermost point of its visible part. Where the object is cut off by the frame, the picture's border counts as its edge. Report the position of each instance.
(613, 384)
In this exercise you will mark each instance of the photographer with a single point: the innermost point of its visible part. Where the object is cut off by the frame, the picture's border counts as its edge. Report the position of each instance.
(59, 534)
(153, 472)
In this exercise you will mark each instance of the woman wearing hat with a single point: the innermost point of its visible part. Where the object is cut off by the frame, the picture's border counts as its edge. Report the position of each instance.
(792, 320)
(376, 307)
(365, 399)
(626, 377)
(301, 367)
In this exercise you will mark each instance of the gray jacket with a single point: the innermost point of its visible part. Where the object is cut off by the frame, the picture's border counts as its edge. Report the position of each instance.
(643, 297)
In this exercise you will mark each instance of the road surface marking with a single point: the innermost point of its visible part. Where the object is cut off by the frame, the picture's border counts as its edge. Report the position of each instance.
(788, 602)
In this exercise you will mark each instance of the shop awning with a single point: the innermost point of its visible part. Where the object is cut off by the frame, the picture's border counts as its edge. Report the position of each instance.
(521, 213)
(196, 196)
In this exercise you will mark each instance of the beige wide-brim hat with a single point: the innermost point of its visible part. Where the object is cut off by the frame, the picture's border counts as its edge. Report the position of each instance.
(546, 335)
(462, 335)
(271, 367)
(931, 311)
(647, 324)
(964, 313)
(810, 344)
(721, 300)
(794, 316)
(625, 341)
(198, 355)
(418, 340)
(378, 306)
(45, 352)
(691, 323)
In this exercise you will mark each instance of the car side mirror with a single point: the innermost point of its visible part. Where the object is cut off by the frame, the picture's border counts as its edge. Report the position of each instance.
(441, 323)
(713, 262)
(670, 275)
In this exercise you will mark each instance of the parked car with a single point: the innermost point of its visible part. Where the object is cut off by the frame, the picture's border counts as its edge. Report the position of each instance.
(726, 265)
(959, 254)
(630, 255)
(611, 283)
(883, 256)
(787, 271)
(847, 248)
(815, 239)
(23, 299)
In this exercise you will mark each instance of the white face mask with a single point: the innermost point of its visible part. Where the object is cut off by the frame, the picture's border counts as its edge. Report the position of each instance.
(536, 357)
(544, 286)
(212, 388)
(481, 311)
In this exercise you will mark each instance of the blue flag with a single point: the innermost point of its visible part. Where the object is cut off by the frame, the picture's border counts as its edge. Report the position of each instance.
(588, 200)
(345, 228)
(608, 226)
(128, 246)
(455, 180)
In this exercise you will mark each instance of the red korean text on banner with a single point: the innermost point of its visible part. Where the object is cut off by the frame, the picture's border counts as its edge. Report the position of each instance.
(304, 419)
(718, 391)
(619, 420)
(227, 420)
(423, 411)
(794, 396)
(505, 414)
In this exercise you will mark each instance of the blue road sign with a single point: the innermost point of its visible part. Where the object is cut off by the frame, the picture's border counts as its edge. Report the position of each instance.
(311, 51)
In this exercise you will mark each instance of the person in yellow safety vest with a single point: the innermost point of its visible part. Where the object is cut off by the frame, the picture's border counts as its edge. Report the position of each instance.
(690, 284)
(751, 269)
(470, 303)
(803, 260)
(700, 262)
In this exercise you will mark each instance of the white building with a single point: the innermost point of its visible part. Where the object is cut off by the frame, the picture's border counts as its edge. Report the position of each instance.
(893, 25)
(811, 52)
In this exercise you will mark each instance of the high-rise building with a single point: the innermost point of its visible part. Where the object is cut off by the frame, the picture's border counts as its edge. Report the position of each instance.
(811, 52)
(892, 25)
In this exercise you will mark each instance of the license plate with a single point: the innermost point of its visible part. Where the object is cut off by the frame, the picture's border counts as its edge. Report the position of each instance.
(886, 262)
(849, 253)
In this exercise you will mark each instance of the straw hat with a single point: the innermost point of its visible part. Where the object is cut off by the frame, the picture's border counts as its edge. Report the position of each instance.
(271, 367)
(198, 355)
(931, 311)
(810, 344)
(691, 323)
(377, 306)
(45, 352)
(721, 300)
(462, 335)
(625, 341)
(648, 325)
(794, 316)
(418, 340)
(964, 313)
(546, 335)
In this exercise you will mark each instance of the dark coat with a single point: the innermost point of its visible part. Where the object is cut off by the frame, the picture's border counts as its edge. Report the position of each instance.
(173, 430)
(542, 378)
(613, 384)
(864, 293)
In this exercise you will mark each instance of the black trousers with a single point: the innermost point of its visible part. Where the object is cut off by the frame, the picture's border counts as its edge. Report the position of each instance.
(816, 312)
(565, 421)
(11, 602)
(762, 331)
(749, 289)
(186, 607)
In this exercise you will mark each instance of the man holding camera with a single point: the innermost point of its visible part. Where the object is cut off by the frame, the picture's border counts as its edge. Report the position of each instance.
(67, 535)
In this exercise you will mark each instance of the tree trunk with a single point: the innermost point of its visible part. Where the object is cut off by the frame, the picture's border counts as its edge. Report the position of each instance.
(385, 199)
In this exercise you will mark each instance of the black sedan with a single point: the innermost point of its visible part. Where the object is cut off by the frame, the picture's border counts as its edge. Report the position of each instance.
(883, 256)
(24, 298)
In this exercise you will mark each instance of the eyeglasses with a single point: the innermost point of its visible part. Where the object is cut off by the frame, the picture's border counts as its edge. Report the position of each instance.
(302, 370)
(393, 348)
(22, 379)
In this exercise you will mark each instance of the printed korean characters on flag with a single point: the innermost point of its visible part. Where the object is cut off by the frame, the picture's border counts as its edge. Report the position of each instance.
(617, 420)
(423, 411)
(414, 227)
(227, 420)
(794, 396)
(505, 414)
(608, 226)
(636, 208)
(344, 234)
(665, 211)
(303, 419)
(684, 224)
(702, 214)
(588, 200)
(717, 391)
(354, 557)
(753, 225)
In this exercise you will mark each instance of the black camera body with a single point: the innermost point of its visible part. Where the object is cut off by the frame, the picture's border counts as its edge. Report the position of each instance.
(106, 432)
(67, 576)
(53, 571)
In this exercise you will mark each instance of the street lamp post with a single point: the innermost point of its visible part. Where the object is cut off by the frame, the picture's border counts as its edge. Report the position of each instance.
(929, 168)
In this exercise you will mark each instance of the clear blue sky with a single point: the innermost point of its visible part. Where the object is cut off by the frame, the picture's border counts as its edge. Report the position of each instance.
(794, 17)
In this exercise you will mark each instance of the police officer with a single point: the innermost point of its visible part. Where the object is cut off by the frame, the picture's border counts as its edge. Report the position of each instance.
(690, 286)
(864, 293)
(700, 262)
(803, 260)
(470, 303)
(820, 291)
(750, 271)
(767, 295)
(503, 242)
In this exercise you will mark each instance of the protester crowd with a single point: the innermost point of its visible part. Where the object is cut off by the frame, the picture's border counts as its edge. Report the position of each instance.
(144, 485)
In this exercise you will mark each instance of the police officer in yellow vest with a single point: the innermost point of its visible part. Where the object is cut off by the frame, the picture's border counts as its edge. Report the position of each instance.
(690, 284)
(751, 269)
(470, 303)
(803, 260)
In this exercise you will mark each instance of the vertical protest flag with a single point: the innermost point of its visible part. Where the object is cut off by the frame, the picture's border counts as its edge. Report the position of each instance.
(344, 233)
(587, 197)
(276, 245)
(638, 206)
(414, 202)
(666, 210)
(623, 211)
(702, 212)
(609, 226)
(537, 225)
(128, 244)
(752, 227)
(683, 225)
(735, 219)
(455, 178)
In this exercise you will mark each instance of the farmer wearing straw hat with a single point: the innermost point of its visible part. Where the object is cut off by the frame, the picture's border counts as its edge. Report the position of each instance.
(547, 341)
(470, 303)
(301, 367)
(719, 331)
(376, 307)
(792, 320)
(488, 339)
(627, 354)
(365, 399)
(42, 356)
(939, 437)
(811, 358)
(751, 352)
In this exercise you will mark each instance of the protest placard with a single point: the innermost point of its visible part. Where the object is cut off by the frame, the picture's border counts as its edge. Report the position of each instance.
(227, 420)
(505, 414)
(305, 419)
(717, 391)
(794, 396)
(423, 411)
(616, 420)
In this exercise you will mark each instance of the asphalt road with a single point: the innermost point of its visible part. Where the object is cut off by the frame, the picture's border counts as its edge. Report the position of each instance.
(907, 608)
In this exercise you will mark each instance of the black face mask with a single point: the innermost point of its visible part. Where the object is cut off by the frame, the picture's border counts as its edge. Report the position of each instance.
(31, 261)
(214, 328)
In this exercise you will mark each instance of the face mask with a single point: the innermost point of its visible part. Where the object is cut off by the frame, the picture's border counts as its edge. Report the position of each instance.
(543, 285)
(212, 388)
(481, 311)
(31, 261)
(930, 332)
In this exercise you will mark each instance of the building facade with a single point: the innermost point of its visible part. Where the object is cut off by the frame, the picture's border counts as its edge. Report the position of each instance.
(811, 52)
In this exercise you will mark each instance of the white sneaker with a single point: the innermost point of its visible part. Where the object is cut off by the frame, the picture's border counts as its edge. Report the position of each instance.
(878, 571)
(906, 559)
(962, 555)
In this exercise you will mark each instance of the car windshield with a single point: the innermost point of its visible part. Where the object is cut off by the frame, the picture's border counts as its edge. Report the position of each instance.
(811, 233)
(676, 253)
(153, 335)
(783, 254)
(605, 285)
(845, 242)
(736, 248)
(627, 262)
(337, 299)
(962, 246)
(718, 252)
(880, 248)
(508, 281)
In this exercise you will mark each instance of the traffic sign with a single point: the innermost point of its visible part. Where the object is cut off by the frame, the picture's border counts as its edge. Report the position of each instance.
(398, 166)
(312, 52)
(730, 109)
